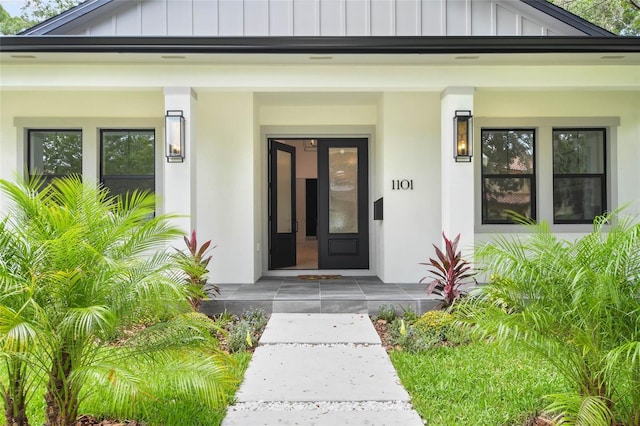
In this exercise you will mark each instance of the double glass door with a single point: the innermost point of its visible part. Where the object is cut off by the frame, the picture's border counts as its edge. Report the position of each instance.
(342, 204)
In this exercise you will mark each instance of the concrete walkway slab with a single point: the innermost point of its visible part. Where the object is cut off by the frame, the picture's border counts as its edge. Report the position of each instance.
(319, 328)
(321, 369)
(323, 418)
(321, 373)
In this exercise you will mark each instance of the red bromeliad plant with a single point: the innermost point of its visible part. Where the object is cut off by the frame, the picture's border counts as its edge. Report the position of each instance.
(194, 264)
(451, 271)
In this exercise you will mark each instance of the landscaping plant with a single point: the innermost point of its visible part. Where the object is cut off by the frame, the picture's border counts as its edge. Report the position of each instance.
(77, 266)
(450, 271)
(578, 306)
(194, 263)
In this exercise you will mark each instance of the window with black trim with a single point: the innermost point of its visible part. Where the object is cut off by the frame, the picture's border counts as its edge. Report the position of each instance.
(127, 160)
(579, 175)
(54, 153)
(508, 174)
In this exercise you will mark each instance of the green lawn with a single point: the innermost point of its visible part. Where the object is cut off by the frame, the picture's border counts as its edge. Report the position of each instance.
(476, 384)
(168, 408)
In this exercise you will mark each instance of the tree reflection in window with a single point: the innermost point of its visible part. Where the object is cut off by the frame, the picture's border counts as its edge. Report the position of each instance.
(54, 153)
(128, 160)
(508, 174)
(579, 175)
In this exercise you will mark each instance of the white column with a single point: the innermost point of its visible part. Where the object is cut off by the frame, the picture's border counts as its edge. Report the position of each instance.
(458, 184)
(179, 179)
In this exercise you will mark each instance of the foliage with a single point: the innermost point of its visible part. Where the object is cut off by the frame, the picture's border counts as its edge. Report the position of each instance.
(80, 265)
(450, 272)
(409, 338)
(244, 334)
(436, 321)
(618, 16)
(40, 10)
(577, 305)
(11, 24)
(386, 312)
(477, 384)
(194, 263)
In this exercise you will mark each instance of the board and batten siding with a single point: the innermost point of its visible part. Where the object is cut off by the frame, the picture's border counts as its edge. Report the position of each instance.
(265, 18)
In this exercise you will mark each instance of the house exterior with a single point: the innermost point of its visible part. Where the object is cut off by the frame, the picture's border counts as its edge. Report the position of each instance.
(319, 134)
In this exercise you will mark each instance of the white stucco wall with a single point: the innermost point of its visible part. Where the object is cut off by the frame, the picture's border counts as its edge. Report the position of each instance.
(225, 182)
(410, 150)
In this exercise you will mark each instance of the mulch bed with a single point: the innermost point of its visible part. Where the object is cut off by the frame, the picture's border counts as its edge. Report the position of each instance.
(92, 421)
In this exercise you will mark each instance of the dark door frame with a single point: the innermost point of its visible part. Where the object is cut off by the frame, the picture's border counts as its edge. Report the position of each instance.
(282, 245)
(343, 250)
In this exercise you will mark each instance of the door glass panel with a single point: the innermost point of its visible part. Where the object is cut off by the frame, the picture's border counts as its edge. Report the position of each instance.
(284, 192)
(343, 190)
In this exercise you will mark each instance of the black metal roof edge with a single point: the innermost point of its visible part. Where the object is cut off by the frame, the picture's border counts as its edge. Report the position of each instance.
(55, 22)
(568, 18)
(321, 45)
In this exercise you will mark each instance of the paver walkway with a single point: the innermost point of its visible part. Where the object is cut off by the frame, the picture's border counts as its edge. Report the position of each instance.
(321, 369)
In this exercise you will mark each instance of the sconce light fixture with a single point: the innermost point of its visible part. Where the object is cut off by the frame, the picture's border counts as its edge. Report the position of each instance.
(463, 136)
(174, 136)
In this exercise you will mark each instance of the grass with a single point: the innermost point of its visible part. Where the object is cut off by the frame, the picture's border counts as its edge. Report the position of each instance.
(476, 384)
(167, 408)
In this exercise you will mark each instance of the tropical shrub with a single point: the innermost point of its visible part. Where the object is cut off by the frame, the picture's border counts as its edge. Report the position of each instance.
(80, 265)
(194, 263)
(450, 271)
(577, 305)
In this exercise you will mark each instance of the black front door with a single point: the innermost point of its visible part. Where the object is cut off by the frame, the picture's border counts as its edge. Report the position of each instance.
(282, 205)
(343, 214)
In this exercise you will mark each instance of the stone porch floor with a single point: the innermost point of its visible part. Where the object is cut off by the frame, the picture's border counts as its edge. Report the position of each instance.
(356, 295)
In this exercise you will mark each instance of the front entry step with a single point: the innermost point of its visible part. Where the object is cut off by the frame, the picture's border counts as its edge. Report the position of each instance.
(355, 295)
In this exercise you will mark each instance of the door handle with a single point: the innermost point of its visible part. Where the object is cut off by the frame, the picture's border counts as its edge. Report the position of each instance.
(296, 226)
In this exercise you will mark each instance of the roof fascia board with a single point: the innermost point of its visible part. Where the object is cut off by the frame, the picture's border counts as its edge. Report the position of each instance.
(321, 45)
(74, 14)
(568, 18)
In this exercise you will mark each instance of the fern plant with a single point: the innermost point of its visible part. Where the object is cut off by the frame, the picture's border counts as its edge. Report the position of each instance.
(578, 305)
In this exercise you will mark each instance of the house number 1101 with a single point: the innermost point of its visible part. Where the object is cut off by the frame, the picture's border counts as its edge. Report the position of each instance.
(404, 184)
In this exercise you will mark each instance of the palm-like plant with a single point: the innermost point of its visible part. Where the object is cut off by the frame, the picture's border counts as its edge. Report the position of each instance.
(95, 263)
(450, 272)
(577, 304)
(194, 264)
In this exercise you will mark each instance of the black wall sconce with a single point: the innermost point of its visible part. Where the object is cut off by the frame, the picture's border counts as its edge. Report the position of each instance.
(174, 136)
(463, 136)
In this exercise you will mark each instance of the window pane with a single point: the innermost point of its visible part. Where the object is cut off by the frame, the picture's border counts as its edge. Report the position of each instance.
(128, 160)
(119, 186)
(507, 151)
(128, 153)
(505, 195)
(577, 199)
(578, 151)
(284, 192)
(55, 152)
(343, 190)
